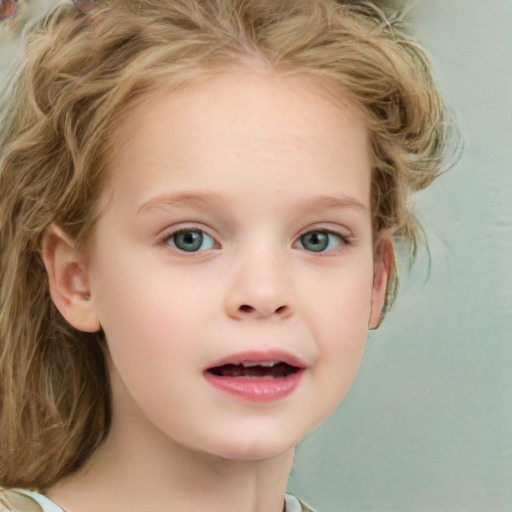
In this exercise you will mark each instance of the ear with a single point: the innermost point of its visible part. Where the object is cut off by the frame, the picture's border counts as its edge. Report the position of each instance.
(68, 280)
(384, 264)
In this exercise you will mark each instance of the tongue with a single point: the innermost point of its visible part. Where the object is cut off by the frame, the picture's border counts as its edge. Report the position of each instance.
(277, 371)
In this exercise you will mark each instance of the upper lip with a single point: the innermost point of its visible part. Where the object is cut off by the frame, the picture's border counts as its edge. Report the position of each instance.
(258, 356)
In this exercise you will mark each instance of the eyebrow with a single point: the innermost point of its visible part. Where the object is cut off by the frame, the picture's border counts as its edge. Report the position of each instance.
(210, 200)
(202, 200)
(330, 202)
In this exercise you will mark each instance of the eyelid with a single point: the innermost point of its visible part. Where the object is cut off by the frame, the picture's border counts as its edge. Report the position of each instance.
(171, 231)
(328, 227)
(345, 236)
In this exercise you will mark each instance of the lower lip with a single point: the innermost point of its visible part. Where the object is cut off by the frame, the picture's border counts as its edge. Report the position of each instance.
(256, 390)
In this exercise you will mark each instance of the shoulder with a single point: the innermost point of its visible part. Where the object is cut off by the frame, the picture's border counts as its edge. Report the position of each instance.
(293, 504)
(23, 500)
(12, 500)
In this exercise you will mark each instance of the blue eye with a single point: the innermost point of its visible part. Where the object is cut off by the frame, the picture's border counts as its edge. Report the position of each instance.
(320, 241)
(190, 240)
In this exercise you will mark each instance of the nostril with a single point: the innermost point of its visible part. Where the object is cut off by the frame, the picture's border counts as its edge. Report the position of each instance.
(246, 308)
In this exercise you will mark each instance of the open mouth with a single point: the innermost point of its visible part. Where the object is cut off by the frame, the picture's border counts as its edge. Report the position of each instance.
(257, 376)
(263, 370)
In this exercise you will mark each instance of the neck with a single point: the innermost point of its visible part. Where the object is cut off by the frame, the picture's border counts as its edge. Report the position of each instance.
(145, 470)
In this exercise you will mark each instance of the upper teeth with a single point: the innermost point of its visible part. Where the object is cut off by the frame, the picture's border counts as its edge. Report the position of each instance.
(267, 364)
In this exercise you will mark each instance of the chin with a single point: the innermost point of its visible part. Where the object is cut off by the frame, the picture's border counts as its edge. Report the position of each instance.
(255, 448)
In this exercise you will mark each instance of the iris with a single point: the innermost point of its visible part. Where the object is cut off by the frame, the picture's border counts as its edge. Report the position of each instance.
(320, 241)
(191, 240)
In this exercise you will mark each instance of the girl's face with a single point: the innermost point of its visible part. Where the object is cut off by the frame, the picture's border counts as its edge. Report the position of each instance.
(233, 271)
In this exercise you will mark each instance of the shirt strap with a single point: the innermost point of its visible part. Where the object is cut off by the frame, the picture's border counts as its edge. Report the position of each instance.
(37, 500)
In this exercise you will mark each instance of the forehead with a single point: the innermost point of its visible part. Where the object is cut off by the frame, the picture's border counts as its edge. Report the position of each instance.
(249, 122)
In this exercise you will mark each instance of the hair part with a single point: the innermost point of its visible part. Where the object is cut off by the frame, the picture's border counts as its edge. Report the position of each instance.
(79, 76)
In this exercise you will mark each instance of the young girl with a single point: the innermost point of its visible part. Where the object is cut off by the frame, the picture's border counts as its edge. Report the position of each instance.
(198, 207)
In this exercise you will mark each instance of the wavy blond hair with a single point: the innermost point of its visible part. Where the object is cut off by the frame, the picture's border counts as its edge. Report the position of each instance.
(79, 75)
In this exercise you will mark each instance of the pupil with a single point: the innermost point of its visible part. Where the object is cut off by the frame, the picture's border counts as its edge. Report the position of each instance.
(315, 241)
(189, 241)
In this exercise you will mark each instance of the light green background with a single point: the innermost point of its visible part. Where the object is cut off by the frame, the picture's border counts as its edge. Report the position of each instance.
(427, 425)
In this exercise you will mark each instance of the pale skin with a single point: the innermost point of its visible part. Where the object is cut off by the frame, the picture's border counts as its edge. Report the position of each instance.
(264, 170)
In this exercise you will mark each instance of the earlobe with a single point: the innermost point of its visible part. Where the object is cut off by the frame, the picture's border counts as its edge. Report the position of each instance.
(384, 263)
(68, 280)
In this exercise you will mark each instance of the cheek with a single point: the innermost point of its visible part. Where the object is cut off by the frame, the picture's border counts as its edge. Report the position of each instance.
(152, 316)
(341, 313)
(339, 308)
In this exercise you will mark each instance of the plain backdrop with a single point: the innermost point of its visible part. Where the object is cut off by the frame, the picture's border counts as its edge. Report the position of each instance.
(427, 425)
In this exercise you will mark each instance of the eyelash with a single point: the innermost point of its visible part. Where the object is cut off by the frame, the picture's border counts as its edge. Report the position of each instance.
(341, 240)
(338, 239)
(189, 231)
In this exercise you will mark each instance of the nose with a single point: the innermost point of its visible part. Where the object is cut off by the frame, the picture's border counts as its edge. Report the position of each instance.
(260, 287)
